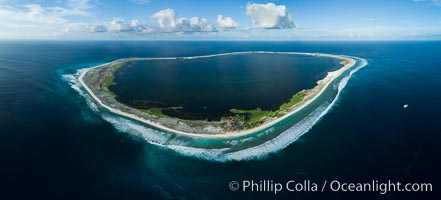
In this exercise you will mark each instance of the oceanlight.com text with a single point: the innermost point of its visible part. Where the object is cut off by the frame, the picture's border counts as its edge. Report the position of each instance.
(381, 187)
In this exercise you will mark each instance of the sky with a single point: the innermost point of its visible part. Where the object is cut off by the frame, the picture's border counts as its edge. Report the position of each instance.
(221, 19)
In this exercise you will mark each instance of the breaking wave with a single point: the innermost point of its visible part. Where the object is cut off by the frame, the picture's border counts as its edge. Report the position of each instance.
(219, 149)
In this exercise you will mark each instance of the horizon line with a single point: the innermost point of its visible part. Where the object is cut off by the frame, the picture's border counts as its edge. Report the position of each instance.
(221, 40)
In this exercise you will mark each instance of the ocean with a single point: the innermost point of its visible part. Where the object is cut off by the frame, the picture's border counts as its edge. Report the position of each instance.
(55, 145)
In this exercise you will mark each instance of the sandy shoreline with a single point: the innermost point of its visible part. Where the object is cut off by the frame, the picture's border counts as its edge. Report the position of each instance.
(324, 83)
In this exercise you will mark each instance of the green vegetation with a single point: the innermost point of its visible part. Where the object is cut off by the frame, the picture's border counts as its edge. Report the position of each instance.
(246, 118)
(255, 117)
(295, 99)
(154, 111)
(109, 80)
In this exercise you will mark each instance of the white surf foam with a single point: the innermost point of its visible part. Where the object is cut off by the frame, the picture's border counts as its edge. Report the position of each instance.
(128, 126)
(72, 80)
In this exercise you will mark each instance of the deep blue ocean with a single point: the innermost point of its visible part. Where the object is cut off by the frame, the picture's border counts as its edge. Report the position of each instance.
(54, 146)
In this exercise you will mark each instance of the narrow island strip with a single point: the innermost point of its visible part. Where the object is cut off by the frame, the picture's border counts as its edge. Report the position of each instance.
(96, 81)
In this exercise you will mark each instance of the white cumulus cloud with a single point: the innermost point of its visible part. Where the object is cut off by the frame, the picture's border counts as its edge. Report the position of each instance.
(165, 18)
(226, 22)
(270, 16)
(167, 22)
(119, 25)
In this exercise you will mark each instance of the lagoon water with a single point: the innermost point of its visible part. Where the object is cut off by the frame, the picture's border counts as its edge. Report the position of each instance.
(210, 87)
(54, 146)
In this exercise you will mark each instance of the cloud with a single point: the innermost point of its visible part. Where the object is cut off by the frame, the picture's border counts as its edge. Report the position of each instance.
(168, 23)
(119, 25)
(138, 27)
(226, 22)
(134, 23)
(34, 20)
(193, 24)
(165, 18)
(270, 16)
(97, 28)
